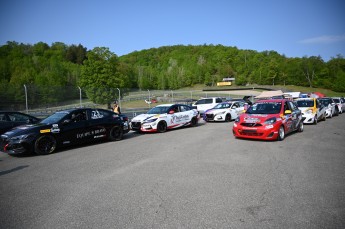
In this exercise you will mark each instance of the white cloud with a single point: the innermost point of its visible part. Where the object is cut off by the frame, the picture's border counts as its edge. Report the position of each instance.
(323, 39)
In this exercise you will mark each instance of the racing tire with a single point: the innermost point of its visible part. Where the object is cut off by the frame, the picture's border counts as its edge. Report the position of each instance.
(281, 133)
(115, 133)
(193, 122)
(324, 117)
(336, 113)
(301, 126)
(45, 144)
(228, 118)
(161, 127)
(315, 120)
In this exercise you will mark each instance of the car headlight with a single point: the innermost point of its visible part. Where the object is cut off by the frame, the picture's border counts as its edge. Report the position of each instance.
(270, 121)
(20, 137)
(237, 120)
(220, 113)
(309, 111)
(150, 120)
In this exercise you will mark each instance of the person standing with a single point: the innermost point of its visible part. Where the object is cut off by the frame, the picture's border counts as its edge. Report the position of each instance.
(116, 108)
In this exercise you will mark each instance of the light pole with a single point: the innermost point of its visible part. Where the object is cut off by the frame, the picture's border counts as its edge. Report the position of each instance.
(80, 96)
(119, 97)
(26, 99)
(172, 96)
(149, 98)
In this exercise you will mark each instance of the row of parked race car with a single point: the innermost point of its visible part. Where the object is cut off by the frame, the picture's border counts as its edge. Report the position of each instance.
(269, 119)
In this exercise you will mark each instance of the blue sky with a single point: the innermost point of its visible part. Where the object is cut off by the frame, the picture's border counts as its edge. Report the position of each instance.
(295, 28)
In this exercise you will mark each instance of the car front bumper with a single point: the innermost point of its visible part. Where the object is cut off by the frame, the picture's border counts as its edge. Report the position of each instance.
(308, 118)
(265, 132)
(214, 118)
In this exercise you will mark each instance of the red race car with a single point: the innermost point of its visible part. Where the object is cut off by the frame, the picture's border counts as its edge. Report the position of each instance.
(268, 120)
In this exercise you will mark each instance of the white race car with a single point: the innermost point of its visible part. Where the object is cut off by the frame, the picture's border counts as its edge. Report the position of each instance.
(165, 116)
(312, 110)
(225, 111)
(330, 107)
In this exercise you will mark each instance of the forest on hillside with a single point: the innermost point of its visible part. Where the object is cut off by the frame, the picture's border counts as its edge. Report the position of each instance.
(53, 68)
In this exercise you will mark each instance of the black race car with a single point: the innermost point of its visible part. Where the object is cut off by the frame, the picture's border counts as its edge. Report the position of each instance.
(68, 127)
(10, 119)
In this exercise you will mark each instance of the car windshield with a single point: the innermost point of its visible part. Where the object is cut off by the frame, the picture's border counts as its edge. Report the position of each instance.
(159, 110)
(325, 102)
(265, 108)
(305, 103)
(222, 106)
(54, 118)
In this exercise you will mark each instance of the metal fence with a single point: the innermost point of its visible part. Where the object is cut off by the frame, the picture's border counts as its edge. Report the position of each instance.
(43, 101)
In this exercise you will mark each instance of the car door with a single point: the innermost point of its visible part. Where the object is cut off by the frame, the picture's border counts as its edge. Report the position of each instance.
(74, 128)
(319, 112)
(174, 116)
(186, 114)
(295, 115)
(100, 120)
(289, 119)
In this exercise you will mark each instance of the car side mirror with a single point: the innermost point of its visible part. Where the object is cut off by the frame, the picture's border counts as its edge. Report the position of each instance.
(171, 112)
(66, 121)
(287, 112)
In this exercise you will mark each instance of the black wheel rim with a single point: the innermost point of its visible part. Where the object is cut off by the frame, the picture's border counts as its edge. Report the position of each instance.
(46, 145)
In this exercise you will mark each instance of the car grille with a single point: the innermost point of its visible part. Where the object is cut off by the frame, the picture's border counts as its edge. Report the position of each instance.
(250, 124)
(136, 125)
(250, 133)
(209, 116)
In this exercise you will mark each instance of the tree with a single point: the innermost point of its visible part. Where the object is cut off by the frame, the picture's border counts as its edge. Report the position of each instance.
(100, 75)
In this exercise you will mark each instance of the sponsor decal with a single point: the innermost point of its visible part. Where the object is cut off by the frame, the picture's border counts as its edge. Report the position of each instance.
(45, 131)
(96, 115)
(99, 136)
(251, 120)
(90, 133)
(55, 129)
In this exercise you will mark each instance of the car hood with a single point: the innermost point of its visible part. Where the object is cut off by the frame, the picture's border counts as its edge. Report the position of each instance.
(143, 117)
(303, 109)
(214, 111)
(250, 118)
(29, 128)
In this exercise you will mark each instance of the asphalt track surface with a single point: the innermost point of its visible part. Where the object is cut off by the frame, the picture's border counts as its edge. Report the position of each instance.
(199, 177)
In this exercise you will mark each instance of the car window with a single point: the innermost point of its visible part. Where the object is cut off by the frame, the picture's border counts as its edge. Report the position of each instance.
(97, 114)
(55, 118)
(15, 117)
(78, 116)
(3, 118)
(175, 109)
(218, 100)
(305, 103)
(208, 101)
(199, 102)
(222, 106)
(286, 106)
(265, 108)
(184, 108)
(292, 106)
(158, 110)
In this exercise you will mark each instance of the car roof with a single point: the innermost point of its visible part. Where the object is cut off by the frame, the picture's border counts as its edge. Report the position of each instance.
(305, 99)
(170, 104)
(272, 100)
